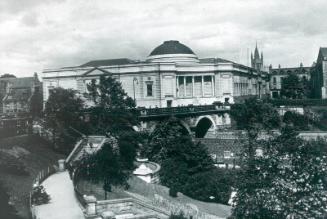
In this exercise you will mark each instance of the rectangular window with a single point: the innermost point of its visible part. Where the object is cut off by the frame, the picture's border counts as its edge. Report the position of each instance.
(181, 87)
(207, 86)
(197, 86)
(189, 86)
(149, 89)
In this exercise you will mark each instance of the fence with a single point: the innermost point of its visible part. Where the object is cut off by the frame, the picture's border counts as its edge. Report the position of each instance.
(41, 177)
(298, 102)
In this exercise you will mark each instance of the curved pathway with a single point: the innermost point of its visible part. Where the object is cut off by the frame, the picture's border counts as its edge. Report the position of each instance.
(63, 203)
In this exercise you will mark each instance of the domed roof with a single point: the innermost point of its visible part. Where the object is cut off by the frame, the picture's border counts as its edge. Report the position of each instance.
(171, 47)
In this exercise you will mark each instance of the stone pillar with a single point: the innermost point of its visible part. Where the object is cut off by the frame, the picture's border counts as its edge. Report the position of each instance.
(90, 205)
(323, 93)
(61, 164)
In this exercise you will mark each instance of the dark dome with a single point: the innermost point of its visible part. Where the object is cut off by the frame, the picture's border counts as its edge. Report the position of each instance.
(171, 47)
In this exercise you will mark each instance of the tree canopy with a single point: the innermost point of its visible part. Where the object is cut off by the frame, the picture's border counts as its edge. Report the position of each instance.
(63, 111)
(294, 87)
(113, 110)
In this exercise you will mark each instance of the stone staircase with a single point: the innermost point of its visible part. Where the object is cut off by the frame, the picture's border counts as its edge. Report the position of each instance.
(85, 146)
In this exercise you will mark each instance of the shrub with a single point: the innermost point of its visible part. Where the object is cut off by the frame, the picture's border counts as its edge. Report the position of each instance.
(211, 186)
(177, 216)
(173, 192)
(40, 196)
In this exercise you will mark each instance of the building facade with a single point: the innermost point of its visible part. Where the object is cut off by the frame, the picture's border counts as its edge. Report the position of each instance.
(319, 75)
(277, 75)
(17, 94)
(172, 75)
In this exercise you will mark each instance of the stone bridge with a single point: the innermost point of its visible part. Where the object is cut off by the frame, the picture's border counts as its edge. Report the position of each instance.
(201, 121)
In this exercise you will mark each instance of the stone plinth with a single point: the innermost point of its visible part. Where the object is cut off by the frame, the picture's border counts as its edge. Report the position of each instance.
(61, 164)
(90, 205)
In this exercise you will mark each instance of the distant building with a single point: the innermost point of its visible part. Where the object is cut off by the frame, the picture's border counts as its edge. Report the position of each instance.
(319, 75)
(277, 75)
(17, 94)
(256, 60)
(172, 75)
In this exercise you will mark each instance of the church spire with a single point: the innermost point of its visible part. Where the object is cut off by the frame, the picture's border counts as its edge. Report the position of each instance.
(256, 60)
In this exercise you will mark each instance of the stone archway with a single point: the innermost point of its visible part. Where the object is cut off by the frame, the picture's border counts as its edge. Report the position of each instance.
(203, 126)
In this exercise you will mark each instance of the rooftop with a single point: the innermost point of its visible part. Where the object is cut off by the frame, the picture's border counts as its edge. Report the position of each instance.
(171, 47)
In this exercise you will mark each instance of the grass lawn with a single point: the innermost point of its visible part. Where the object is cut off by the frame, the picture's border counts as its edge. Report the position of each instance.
(35, 154)
(140, 189)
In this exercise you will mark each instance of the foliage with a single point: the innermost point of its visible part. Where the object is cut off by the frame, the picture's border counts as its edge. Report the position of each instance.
(7, 76)
(294, 88)
(298, 121)
(113, 110)
(289, 179)
(173, 192)
(7, 210)
(186, 166)
(108, 166)
(36, 104)
(255, 116)
(211, 186)
(63, 112)
(40, 196)
(177, 216)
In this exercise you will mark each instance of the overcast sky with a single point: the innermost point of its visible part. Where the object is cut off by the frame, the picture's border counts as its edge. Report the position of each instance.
(39, 34)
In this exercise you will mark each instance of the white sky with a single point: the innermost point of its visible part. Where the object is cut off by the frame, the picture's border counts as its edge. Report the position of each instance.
(38, 34)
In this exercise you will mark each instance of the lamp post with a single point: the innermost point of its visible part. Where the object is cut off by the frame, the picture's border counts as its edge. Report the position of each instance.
(134, 80)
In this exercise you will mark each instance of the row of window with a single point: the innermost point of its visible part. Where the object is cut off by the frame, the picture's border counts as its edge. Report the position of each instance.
(195, 86)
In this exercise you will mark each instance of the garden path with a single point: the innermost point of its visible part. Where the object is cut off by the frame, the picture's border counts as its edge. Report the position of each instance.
(63, 203)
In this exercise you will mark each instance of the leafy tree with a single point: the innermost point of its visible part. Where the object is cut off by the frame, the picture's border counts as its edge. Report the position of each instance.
(106, 166)
(7, 76)
(177, 216)
(294, 88)
(298, 121)
(255, 117)
(288, 180)
(211, 186)
(63, 112)
(36, 104)
(113, 111)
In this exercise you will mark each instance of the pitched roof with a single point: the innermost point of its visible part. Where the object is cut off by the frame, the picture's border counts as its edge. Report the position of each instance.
(108, 62)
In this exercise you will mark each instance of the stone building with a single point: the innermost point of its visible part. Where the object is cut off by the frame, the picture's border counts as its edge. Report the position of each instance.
(17, 94)
(277, 75)
(319, 75)
(256, 60)
(172, 75)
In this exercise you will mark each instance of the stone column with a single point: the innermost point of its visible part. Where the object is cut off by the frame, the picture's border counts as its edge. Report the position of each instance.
(90, 205)
(61, 164)
(202, 88)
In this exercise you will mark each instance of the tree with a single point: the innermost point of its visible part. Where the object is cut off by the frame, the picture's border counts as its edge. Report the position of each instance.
(294, 88)
(36, 104)
(7, 76)
(298, 121)
(63, 111)
(180, 157)
(114, 109)
(290, 181)
(107, 166)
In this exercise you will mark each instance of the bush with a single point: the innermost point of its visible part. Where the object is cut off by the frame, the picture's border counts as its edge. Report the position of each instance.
(173, 192)
(211, 186)
(40, 196)
(177, 216)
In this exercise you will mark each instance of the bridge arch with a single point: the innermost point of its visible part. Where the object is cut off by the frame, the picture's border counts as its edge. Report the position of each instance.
(202, 126)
